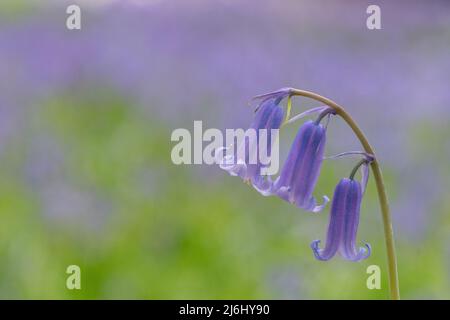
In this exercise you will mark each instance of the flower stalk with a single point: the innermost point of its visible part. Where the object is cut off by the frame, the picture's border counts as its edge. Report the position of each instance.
(381, 190)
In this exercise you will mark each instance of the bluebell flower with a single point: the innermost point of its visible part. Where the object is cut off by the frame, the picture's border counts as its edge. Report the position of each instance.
(301, 170)
(343, 222)
(246, 163)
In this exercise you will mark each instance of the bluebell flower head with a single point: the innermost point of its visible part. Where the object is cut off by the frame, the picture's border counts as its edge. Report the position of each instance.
(343, 224)
(268, 115)
(301, 170)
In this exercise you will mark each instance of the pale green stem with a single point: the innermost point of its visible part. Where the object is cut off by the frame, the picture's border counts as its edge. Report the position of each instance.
(382, 197)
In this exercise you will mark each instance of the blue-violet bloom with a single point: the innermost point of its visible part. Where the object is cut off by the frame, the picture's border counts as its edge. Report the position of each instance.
(343, 224)
(246, 163)
(301, 170)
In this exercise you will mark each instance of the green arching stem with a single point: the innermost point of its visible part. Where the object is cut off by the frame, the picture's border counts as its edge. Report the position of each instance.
(382, 197)
(355, 169)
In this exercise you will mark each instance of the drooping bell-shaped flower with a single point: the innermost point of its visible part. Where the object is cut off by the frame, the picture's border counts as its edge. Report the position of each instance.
(301, 169)
(343, 223)
(246, 162)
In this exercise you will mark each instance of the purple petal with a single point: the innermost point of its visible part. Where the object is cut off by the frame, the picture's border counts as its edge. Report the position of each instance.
(335, 225)
(302, 167)
(245, 163)
(352, 204)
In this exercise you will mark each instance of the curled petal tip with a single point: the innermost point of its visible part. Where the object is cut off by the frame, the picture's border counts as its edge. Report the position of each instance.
(233, 167)
(315, 245)
(238, 170)
(312, 205)
(363, 253)
(319, 208)
(366, 251)
(317, 251)
(264, 186)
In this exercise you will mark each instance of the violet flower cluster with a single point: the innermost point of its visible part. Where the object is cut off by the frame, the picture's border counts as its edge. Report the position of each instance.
(300, 172)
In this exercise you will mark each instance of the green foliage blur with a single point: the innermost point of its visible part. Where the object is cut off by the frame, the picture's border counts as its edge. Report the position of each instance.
(172, 235)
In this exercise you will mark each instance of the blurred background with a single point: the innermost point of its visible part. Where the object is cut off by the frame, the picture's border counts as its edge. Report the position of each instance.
(85, 123)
